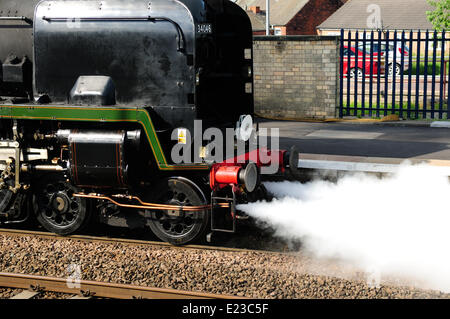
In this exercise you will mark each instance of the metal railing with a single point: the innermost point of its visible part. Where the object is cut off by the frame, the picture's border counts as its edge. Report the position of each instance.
(405, 75)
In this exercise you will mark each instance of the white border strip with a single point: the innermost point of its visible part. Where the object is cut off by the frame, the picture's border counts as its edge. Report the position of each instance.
(347, 166)
(445, 124)
(358, 167)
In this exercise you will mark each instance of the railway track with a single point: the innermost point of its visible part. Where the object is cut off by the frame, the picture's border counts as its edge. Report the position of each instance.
(219, 272)
(34, 285)
(105, 239)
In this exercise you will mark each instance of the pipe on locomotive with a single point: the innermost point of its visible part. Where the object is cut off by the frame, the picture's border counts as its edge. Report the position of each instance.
(48, 168)
(145, 205)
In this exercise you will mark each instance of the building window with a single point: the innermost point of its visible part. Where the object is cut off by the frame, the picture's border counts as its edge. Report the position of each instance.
(277, 31)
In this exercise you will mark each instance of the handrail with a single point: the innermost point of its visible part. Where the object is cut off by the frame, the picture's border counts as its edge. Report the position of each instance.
(27, 20)
(181, 37)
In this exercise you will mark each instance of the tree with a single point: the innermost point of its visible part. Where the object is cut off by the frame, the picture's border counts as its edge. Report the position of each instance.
(440, 17)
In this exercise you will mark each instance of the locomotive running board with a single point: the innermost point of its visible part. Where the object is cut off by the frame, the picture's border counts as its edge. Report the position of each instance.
(340, 163)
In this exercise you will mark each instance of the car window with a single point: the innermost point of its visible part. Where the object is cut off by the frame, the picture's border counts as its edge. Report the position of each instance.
(361, 47)
(383, 47)
(375, 47)
(399, 46)
(346, 51)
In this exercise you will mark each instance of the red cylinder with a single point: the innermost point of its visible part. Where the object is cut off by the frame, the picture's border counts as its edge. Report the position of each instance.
(227, 175)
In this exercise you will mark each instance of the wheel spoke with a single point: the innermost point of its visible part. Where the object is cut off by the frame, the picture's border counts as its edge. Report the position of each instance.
(58, 210)
(186, 226)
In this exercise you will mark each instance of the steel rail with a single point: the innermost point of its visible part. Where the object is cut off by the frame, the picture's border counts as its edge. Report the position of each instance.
(109, 240)
(99, 289)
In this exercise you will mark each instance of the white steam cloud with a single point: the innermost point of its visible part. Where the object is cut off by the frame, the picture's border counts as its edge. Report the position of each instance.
(399, 225)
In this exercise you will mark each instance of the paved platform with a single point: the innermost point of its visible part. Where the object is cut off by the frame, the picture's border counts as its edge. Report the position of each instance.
(372, 140)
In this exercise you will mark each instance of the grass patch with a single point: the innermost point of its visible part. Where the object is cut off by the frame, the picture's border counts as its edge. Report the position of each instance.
(429, 68)
(375, 113)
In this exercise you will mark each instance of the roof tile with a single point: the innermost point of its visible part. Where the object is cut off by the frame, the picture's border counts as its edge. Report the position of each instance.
(395, 15)
(281, 11)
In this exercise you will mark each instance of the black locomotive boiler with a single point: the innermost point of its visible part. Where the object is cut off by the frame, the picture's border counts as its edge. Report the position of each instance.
(90, 94)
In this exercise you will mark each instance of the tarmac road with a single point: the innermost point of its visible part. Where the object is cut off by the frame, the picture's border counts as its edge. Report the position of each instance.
(401, 140)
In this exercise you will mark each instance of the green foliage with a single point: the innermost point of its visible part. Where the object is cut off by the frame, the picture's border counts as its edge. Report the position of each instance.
(440, 17)
(429, 69)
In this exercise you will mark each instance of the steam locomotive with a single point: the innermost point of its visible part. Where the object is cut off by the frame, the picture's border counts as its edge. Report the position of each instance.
(91, 93)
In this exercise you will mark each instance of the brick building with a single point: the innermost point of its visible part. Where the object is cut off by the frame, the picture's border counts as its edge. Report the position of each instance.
(385, 15)
(289, 17)
(398, 15)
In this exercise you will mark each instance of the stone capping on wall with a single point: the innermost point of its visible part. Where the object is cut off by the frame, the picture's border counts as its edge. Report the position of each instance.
(296, 37)
(296, 77)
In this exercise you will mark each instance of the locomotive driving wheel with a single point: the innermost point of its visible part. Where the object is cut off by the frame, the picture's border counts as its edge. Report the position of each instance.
(175, 226)
(57, 210)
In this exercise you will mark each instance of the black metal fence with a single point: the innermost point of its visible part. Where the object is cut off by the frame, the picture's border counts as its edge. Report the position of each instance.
(401, 72)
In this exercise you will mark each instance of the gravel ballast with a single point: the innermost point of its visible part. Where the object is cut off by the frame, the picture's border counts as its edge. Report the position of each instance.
(6, 293)
(251, 274)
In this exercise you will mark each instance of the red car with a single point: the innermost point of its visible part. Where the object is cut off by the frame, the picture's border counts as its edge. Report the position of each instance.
(358, 68)
(390, 49)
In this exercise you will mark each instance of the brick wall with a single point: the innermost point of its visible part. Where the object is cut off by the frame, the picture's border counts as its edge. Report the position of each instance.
(296, 76)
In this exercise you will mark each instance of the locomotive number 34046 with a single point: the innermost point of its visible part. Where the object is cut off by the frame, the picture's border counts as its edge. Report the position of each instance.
(204, 28)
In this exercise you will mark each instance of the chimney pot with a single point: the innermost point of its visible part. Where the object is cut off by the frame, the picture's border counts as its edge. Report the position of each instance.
(255, 9)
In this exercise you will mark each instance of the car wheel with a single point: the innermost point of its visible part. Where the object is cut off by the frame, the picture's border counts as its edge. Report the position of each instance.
(358, 72)
(397, 69)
